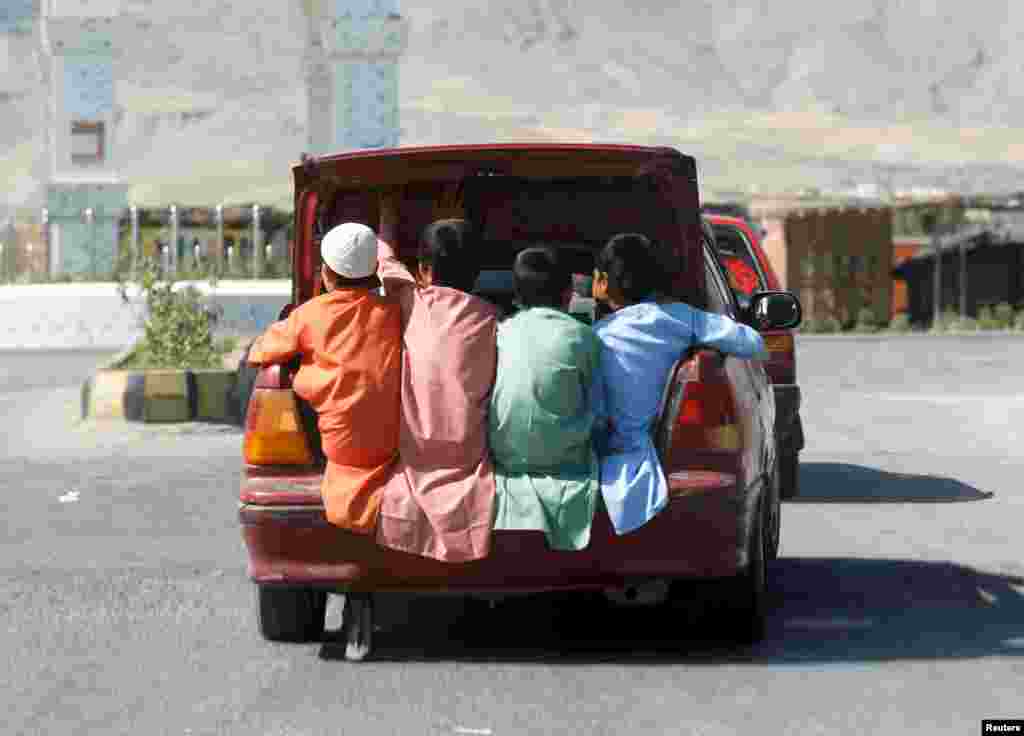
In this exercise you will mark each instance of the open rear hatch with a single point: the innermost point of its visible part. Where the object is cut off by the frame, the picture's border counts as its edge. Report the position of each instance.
(572, 197)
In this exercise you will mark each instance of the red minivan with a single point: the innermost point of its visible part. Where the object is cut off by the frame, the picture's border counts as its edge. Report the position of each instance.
(749, 271)
(715, 433)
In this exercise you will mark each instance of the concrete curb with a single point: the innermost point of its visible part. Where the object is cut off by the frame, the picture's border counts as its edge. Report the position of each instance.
(912, 334)
(160, 396)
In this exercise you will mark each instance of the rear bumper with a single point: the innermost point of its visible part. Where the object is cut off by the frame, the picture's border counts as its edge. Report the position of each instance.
(789, 431)
(701, 534)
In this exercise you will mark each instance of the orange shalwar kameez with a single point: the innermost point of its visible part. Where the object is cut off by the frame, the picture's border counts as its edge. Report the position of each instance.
(350, 344)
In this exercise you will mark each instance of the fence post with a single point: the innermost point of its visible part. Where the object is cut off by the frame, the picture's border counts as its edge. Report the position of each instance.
(257, 243)
(221, 254)
(136, 255)
(173, 260)
(89, 216)
(963, 279)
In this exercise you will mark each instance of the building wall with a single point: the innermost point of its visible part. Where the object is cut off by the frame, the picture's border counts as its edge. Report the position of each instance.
(994, 275)
(839, 262)
(774, 246)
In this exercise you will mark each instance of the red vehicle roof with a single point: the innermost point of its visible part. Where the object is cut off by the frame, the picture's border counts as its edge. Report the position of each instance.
(391, 165)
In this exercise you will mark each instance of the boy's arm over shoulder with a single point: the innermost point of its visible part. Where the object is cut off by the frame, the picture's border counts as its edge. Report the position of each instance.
(280, 343)
(726, 334)
(390, 269)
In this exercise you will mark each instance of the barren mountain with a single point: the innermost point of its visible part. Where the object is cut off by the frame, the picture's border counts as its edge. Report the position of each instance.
(877, 96)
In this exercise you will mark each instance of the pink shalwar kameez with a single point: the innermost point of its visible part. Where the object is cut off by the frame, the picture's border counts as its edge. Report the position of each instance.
(439, 499)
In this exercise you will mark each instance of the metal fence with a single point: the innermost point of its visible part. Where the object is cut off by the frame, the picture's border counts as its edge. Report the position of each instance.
(250, 242)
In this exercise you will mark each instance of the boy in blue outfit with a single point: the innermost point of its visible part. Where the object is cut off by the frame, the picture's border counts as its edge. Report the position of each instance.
(640, 342)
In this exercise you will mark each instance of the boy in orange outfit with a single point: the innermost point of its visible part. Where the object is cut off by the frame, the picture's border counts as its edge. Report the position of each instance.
(349, 340)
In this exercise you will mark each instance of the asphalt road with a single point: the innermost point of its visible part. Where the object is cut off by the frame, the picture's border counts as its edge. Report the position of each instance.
(125, 608)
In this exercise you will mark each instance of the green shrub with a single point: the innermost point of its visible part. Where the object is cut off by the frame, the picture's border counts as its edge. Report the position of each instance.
(866, 321)
(824, 325)
(1004, 315)
(900, 323)
(1018, 321)
(986, 318)
(178, 328)
(946, 321)
(965, 324)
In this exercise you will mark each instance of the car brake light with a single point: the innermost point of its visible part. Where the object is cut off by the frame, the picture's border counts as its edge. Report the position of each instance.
(707, 414)
(274, 434)
(777, 344)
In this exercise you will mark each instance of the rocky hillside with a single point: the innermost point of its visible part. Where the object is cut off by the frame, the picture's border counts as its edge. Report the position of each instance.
(876, 96)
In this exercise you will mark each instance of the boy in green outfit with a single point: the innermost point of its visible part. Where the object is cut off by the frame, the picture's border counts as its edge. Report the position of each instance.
(542, 409)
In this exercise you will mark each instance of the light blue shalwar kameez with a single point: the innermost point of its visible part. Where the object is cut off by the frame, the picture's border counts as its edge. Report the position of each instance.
(639, 345)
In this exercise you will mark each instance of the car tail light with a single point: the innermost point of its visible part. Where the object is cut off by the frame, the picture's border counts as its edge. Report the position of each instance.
(274, 433)
(779, 345)
(707, 417)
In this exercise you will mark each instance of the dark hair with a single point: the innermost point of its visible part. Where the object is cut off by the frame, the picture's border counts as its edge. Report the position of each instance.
(450, 248)
(633, 267)
(540, 278)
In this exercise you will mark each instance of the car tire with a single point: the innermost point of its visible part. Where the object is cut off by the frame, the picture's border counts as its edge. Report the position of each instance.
(789, 474)
(291, 614)
(748, 600)
(773, 524)
(245, 381)
(357, 626)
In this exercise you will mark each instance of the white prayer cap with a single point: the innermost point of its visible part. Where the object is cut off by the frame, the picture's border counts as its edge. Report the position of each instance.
(350, 250)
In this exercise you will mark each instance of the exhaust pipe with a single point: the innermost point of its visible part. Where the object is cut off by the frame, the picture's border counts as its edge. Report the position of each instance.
(643, 593)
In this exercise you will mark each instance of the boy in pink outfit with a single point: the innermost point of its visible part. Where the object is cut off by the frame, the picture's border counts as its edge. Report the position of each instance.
(439, 500)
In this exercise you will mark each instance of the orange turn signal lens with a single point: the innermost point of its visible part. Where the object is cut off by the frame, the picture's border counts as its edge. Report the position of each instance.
(274, 434)
(778, 343)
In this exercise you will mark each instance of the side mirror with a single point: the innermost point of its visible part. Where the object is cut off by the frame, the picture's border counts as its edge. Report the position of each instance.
(774, 310)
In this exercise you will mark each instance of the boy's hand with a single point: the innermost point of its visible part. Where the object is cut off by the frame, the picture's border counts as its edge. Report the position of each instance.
(451, 202)
(390, 205)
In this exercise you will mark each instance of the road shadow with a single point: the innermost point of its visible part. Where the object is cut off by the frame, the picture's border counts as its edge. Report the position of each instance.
(825, 611)
(848, 483)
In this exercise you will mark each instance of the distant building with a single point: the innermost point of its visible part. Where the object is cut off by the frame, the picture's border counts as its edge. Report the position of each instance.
(352, 73)
(903, 249)
(836, 260)
(982, 265)
(353, 48)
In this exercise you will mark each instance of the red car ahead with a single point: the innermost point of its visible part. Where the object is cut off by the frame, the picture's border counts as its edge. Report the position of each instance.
(714, 434)
(749, 271)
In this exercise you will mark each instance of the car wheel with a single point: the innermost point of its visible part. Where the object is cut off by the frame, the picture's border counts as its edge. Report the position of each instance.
(245, 380)
(789, 474)
(749, 600)
(774, 523)
(291, 614)
(357, 626)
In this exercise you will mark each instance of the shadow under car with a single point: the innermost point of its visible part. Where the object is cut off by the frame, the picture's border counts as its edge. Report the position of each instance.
(847, 483)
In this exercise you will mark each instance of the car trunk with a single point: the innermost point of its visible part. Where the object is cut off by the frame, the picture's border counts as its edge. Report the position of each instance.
(571, 197)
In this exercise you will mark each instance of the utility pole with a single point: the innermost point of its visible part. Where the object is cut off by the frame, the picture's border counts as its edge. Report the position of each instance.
(930, 222)
(963, 278)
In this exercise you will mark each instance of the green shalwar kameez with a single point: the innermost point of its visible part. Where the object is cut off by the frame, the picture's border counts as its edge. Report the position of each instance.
(540, 423)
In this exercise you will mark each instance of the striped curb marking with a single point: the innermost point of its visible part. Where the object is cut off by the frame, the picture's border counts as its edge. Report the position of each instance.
(159, 396)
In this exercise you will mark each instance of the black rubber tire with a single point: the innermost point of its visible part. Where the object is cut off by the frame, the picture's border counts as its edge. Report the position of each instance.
(748, 601)
(774, 519)
(789, 474)
(291, 614)
(245, 381)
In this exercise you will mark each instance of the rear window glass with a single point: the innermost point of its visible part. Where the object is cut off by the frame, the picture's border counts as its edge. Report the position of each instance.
(498, 286)
(738, 262)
